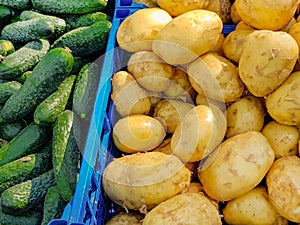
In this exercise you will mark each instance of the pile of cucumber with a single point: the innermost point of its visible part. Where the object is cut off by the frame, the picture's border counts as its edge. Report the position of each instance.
(49, 73)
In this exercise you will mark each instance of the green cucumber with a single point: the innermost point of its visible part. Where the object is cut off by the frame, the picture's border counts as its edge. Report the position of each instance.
(23, 59)
(6, 14)
(28, 30)
(23, 197)
(32, 218)
(65, 155)
(76, 21)
(69, 6)
(79, 62)
(28, 141)
(6, 47)
(53, 206)
(85, 90)
(46, 77)
(7, 89)
(59, 24)
(23, 169)
(9, 130)
(49, 109)
(17, 4)
(94, 40)
(23, 77)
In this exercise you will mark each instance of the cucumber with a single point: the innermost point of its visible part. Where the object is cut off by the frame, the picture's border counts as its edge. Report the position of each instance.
(69, 6)
(23, 59)
(7, 89)
(9, 130)
(32, 218)
(76, 21)
(79, 62)
(6, 14)
(49, 109)
(23, 77)
(29, 30)
(59, 24)
(46, 76)
(22, 197)
(53, 206)
(17, 4)
(85, 90)
(94, 40)
(6, 47)
(65, 155)
(23, 169)
(28, 141)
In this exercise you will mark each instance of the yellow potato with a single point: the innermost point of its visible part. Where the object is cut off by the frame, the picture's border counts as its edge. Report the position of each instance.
(188, 36)
(289, 25)
(126, 219)
(267, 14)
(222, 8)
(186, 208)
(148, 3)
(141, 181)
(267, 59)
(246, 114)
(217, 77)
(201, 130)
(150, 71)
(138, 30)
(284, 103)
(171, 112)
(129, 98)
(240, 165)
(235, 17)
(295, 32)
(233, 44)
(195, 187)
(137, 133)
(178, 7)
(243, 26)
(202, 100)
(283, 138)
(283, 183)
(251, 208)
(219, 47)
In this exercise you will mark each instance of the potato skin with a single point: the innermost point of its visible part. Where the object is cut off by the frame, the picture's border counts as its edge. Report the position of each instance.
(267, 59)
(126, 219)
(186, 208)
(283, 104)
(143, 180)
(241, 163)
(283, 183)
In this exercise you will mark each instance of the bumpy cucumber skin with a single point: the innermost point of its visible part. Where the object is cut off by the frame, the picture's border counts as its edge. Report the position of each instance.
(94, 40)
(28, 141)
(69, 6)
(17, 4)
(23, 59)
(28, 30)
(53, 206)
(76, 21)
(9, 130)
(23, 77)
(23, 169)
(31, 218)
(6, 15)
(46, 77)
(6, 47)
(65, 155)
(23, 197)
(48, 110)
(7, 89)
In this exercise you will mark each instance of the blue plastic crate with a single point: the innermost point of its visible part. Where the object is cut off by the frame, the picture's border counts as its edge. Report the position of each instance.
(128, 4)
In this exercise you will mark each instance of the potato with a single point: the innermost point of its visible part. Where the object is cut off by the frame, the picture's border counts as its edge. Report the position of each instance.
(178, 7)
(217, 77)
(150, 71)
(219, 46)
(251, 208)
(289, 25)
(283, 183)
(148, 3)
(235, 17)
(126, 219)
(246, 114)
(267, 14)
(171, 112)
(129, 98)
(141, 181)
(267, 59)
(222, 8)
(295, 32)
(233, 44)
(202, 100)
(137, 133)
(284, 103)
(282, 138)
(240, 165)
(174, 46)
(138, 30)
(186, 208)
(201, 130)
(243, 26)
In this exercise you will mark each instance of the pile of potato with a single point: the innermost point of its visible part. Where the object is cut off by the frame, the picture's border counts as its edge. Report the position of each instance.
(208, 124)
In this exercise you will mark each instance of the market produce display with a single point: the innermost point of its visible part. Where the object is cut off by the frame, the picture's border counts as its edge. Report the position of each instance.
(48, 78)
(234, 114)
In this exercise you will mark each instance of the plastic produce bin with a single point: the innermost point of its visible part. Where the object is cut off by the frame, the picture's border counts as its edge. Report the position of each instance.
(90, 205)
